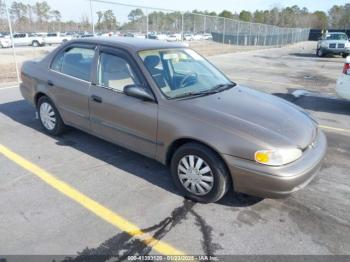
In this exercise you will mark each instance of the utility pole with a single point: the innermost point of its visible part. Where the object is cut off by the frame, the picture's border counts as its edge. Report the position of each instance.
(13, 44)
(92, 18)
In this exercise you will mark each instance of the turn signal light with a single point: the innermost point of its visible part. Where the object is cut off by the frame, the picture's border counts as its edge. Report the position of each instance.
(262, 157)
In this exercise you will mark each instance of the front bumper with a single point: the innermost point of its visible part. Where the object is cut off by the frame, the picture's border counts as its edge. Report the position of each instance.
(277, 182)
(345, 50)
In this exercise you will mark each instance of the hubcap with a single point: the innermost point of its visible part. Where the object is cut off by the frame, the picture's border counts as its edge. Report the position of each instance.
(47, 116)
(195, 175)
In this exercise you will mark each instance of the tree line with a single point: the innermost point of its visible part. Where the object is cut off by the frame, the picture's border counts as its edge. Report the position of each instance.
(41, 17)
(38, 17)
(338, 17)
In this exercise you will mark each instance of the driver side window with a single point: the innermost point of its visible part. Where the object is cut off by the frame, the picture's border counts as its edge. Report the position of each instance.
(115, 72)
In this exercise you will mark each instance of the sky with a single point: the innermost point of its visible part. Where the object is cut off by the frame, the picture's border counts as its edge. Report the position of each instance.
(74, 9)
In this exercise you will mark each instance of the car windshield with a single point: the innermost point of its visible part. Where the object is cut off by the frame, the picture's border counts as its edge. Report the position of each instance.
(337, 37)
(183, 73)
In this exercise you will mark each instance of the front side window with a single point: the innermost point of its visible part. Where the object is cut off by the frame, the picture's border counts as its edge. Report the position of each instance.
(182, 72)
(115, 72)
(75, 62)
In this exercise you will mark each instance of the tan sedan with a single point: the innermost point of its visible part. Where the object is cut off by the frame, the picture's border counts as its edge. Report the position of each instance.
(165, 101)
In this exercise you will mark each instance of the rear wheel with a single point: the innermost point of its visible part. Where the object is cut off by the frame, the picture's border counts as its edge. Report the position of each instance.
(35, 44)
(199, 173)
(49, 117)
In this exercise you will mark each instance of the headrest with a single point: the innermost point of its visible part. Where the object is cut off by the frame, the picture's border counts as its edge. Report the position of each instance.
(152, 61)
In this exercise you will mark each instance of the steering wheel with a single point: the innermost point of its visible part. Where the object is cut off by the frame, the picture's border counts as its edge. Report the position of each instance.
(186, 79)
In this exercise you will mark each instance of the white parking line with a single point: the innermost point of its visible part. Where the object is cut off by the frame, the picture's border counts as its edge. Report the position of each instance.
(7, 87)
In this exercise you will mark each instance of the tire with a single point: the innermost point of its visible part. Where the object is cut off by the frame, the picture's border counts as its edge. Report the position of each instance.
(35, 44)
(344, 55)
(49, 117)
(320, 53)
(217, 179)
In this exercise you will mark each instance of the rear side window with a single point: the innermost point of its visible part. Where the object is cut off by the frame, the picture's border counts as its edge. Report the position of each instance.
(75, 62)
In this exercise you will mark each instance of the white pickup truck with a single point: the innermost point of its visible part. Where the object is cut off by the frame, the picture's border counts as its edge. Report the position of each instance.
(56, 38)
(25, 39)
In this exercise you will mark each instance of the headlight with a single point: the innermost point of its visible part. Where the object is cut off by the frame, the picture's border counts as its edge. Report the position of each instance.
(347, 44)
(277, 157)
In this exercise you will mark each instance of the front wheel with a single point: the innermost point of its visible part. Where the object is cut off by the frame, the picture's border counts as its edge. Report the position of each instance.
(199, 173)
(49, 117)
(320, 53)
(345, 55)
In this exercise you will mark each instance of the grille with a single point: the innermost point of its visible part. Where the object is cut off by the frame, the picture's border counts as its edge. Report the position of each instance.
(332, 45)
(341, 45)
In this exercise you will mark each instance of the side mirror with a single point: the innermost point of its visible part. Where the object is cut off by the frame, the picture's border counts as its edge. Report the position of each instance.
(138, 92)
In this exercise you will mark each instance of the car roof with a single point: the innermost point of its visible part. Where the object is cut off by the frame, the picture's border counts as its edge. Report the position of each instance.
(134, 44)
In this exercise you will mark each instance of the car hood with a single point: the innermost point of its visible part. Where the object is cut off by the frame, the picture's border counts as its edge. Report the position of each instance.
(257, 117)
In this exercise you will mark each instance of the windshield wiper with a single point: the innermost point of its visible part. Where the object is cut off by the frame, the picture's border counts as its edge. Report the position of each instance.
(213, 90)
(221, 87)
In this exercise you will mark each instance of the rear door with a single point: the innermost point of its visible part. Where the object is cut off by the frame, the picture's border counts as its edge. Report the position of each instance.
(69, 81)
(127, 121)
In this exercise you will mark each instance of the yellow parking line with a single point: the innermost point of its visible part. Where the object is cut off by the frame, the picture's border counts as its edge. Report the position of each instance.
(335, 129)
(90, 204)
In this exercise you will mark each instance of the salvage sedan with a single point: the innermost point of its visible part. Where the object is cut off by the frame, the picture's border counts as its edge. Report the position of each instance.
(166, 102)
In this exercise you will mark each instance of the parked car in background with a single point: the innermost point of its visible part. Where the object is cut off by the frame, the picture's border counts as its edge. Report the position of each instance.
(5, 42)
(57, 38)
(333, 43)
(157, 36)
(169, 103)
(162, 37)
(173, 37)
(135, 35)
(188, 37)
(73, 34)
(343, 83)
(26, 39)
(198, 37)
(88, 35)
(207, 36)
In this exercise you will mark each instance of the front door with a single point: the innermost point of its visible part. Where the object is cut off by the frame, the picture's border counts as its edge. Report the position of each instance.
(127, 121)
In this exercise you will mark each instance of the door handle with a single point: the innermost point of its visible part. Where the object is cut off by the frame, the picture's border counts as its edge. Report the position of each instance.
(50, 83)
(96, 99)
